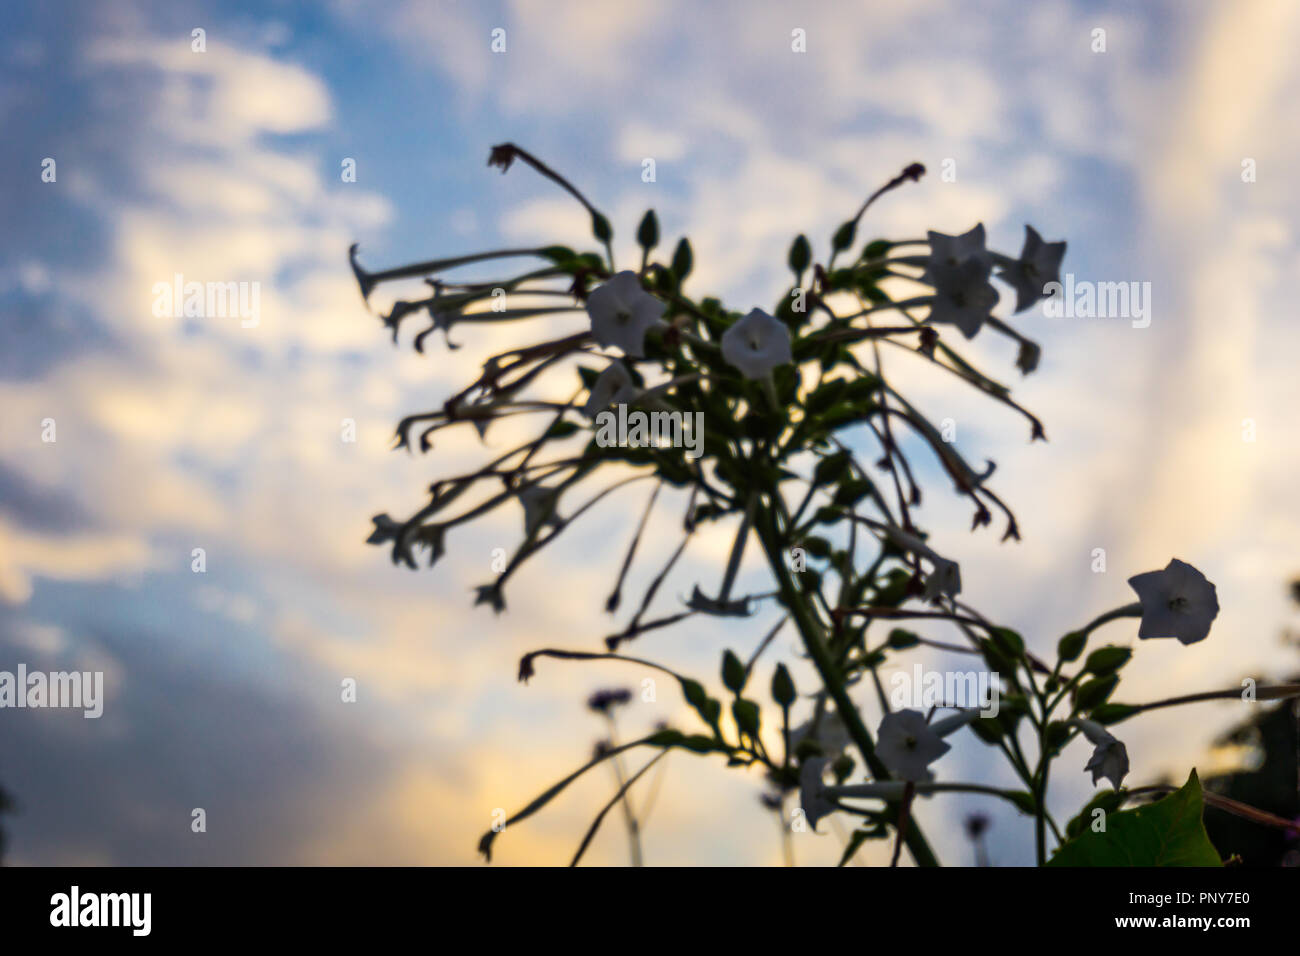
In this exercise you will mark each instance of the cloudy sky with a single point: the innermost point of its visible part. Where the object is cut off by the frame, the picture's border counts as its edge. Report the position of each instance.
(1163, 159)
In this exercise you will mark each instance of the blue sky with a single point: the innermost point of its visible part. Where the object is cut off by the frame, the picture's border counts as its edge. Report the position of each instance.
(176, 434)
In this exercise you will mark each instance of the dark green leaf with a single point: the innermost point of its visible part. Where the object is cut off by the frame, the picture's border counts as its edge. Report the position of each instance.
(733, 672)
(1107, 660)
(1094, 692)
(1169, 832)
(746, 714)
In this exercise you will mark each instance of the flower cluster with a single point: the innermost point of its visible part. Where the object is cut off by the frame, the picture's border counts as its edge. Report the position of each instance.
(806, 450)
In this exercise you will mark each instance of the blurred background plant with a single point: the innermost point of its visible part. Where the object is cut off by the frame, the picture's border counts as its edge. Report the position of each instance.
(606, 703)
(1268, 780)
(6, 806)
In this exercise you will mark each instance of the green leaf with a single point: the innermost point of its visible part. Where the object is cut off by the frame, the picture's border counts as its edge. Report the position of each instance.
(1107, 660)
(1108, 801)
(816, 545)
(733, 672)
(1113, 712)
(877, 249)
(700, 744)
(862, 387)
(557, 254)
(831, 468)
(987, 729)
(647, 234)
(746, 714)
(695, 694)
(1169, 832)
(1055, 736)
(1093, 693)
(1008, 642)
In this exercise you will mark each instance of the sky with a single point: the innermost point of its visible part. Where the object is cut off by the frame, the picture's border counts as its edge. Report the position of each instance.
(1159, 148)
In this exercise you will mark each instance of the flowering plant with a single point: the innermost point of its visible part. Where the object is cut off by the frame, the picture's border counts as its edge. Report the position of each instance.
(797, 408)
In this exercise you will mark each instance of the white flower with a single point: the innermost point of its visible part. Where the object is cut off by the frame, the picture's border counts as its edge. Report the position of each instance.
(889, 790)
(958, 267)
(1109, 759)
(945, 575)
(908, 745)
(622, 313)
(813, 799)
(1039, 264)
(613, 386)
(831, 735)
(955, 722)
(539, 507)
(757, 344)
(1176, 602)
(963, 296)
(949, 252)
(944, 578)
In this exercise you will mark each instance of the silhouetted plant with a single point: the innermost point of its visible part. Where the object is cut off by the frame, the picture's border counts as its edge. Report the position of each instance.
(792, 401)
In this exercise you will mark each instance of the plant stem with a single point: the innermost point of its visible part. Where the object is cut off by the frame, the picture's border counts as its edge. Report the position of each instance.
(810, 631)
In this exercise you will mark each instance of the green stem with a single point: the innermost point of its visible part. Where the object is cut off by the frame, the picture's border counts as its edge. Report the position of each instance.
(1040, 801)
(811, 633)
